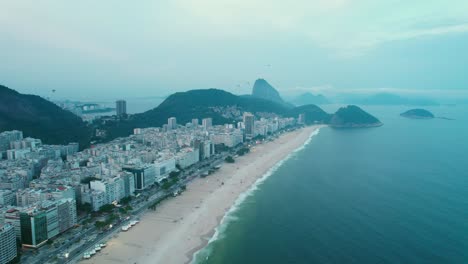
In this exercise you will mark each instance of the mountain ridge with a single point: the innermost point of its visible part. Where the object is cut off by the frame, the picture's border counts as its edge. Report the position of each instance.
(40, 118)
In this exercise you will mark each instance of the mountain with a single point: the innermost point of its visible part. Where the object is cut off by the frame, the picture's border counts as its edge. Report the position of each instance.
(39, 118)
(418, 114)
(262, 89)
(312, 113)
(206, 103)
(393, 99)
(352, 116)
(308, 98)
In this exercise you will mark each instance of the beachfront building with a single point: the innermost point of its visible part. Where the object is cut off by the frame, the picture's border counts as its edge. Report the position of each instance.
(95, 198)
(144, 176)
(187, 157)
(33, 227)
(50, 209)
(8, 248)
(228, 138)
(67, 217)
(249, 123)
(164, 166)
(129, 183)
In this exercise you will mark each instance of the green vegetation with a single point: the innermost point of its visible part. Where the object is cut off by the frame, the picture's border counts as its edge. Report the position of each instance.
(107, 208)
(229, 159)
(39, 118)
(125, 200)
(168, 183)
(259, 137)
(243, 151)
(126, 209)
(353, 116)
(313, 114)
(173, 174)
(418, 114)
(102, 224)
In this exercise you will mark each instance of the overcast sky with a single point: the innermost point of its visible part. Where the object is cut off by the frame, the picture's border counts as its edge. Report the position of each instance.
(116, 49)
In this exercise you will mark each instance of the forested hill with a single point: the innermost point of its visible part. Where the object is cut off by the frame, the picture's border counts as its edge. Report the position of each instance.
(352, 116)
(204, 103)
(42, 119)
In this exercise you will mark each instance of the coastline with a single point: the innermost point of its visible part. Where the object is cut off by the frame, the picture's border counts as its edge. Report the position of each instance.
(182, 226)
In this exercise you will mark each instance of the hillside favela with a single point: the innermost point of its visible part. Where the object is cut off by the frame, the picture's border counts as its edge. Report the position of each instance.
(209, 132)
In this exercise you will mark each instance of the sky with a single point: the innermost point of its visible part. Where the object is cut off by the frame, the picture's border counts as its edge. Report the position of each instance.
(107, 49)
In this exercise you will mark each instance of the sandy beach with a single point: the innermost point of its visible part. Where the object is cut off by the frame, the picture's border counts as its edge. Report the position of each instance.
(182, 225)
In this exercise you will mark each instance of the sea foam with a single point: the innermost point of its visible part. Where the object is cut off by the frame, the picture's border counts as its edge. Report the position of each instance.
(229, 216)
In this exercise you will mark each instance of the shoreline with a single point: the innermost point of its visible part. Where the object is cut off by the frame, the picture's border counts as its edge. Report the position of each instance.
(182, 226)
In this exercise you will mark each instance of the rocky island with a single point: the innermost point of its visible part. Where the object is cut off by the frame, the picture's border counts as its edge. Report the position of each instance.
(417, 114)
(352, 116)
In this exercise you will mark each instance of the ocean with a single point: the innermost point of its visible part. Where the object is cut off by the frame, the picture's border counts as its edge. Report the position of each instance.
(393, 194)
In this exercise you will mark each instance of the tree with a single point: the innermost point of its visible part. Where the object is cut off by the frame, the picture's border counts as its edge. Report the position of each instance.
(243, 151)
(173, 174)
(125, 200)
(229, 159)
(100, 224)
(106, 208)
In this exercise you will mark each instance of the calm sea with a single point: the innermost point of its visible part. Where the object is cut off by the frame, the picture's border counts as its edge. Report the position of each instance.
(394, 194)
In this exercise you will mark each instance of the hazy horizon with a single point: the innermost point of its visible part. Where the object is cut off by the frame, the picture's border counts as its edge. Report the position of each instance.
(104, 50)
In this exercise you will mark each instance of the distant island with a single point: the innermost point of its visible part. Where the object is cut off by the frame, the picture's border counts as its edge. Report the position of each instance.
(352, 116)
(418, 114)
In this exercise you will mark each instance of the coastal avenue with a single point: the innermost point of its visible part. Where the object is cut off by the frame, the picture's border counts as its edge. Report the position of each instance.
(74, 250)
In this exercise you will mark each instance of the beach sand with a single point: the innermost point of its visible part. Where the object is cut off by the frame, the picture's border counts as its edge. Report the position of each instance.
(182, 225)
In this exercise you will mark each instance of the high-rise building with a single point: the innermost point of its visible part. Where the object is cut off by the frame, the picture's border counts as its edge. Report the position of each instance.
(33, 228)
(143, 176)
(301, 119)
(50, 208)
(7, 198)
(171, 123)
(66, 209)
(12, 217)
(207, 122)
(7, 137)
(7, 243)
(249, 123)
(121, 107)
(195, 122)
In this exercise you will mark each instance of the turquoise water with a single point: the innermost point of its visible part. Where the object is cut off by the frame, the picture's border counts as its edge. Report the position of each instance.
(394, 194)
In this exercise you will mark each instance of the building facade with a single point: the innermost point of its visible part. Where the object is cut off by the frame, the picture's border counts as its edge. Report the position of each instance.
(121, 107)
(8, 248)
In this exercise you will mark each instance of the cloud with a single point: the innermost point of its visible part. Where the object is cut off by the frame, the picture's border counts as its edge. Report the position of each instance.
(344, 27)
